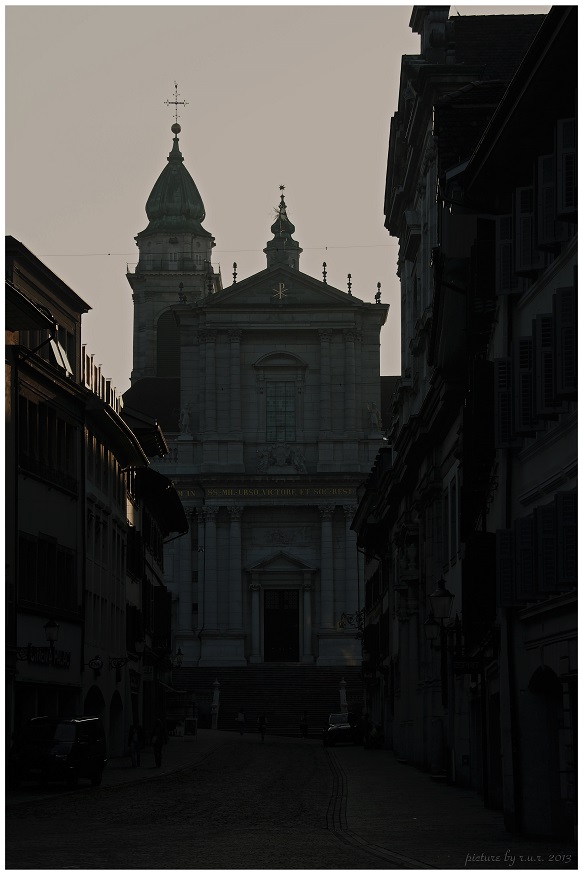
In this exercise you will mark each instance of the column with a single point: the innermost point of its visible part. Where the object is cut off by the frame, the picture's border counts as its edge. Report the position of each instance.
(326, 569)
(211, 581)
(350, 382)
(351, 577)
(235, 591)
(255, 624)
(235, 380)
(325, 380)
(201, 568)
(307, 654)
(184, 577)
(210, 405)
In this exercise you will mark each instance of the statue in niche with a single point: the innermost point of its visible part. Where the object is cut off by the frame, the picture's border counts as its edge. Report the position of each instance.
(411, 550)
(374, 417)
(184, 424)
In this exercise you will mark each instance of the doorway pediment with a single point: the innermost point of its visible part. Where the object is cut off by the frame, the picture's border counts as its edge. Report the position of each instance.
(279, 561)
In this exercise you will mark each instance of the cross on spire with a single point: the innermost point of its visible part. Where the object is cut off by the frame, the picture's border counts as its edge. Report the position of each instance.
(176, 102)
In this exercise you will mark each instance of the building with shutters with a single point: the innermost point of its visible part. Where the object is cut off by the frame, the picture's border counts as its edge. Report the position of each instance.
(85, 633)
(477, 498)
(269, 393)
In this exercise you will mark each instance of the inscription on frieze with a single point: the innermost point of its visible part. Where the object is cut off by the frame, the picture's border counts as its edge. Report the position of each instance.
(248, 492)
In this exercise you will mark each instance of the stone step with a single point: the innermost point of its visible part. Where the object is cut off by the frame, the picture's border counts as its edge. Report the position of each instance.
(282, 692)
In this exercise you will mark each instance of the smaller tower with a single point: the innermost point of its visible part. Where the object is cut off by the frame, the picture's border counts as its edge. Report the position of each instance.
(282, 249)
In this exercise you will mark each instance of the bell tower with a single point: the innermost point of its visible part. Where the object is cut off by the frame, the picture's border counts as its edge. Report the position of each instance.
(174, 265)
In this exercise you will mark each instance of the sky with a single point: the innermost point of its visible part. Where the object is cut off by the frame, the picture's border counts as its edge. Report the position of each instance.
(296, 95)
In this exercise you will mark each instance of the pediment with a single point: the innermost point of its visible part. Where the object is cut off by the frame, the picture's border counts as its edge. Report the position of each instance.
(280, 288)
(280, 561)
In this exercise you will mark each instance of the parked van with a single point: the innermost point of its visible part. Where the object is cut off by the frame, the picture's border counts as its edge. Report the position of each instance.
(62, 749)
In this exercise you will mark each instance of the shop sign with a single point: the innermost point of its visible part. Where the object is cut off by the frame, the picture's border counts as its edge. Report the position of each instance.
(44, 656)
(467, 666)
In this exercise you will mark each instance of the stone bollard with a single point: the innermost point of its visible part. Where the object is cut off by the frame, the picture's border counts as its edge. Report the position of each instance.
(343, 702)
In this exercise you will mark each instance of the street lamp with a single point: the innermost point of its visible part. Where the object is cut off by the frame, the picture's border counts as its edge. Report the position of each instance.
(432, 628)
(30, 653)
(441, 601)
(52, 634)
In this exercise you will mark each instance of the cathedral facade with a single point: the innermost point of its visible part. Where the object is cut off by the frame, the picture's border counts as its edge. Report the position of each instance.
(268, 393)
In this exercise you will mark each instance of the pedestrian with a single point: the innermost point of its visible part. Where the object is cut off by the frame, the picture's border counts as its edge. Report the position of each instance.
(158, 736)
(135, 743)
(261, 724)
(304, 725)
(240, 721)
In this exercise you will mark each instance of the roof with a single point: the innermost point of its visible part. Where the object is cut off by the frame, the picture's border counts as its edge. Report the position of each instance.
(175, 205)
(21, 314)
(14, 249)
(157, 398)
(163, 501)
(121, 439)
(461, 117)
(147, 430)
(498, 42)
(543, 90)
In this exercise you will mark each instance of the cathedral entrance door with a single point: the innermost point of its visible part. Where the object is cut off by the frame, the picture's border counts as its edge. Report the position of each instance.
(281, 623)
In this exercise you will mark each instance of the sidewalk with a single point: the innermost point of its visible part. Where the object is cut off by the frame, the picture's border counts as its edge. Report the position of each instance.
(420, 823)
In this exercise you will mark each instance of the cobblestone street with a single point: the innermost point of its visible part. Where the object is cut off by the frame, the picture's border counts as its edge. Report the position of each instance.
(222, 801)
(245, 805)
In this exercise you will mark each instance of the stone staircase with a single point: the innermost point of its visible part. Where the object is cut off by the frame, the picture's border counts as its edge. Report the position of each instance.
(281, 691)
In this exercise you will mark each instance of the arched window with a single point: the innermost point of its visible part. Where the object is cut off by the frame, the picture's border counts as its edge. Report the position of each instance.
(168, 347)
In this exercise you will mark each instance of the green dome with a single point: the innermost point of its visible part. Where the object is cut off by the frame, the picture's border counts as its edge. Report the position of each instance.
(175, 205)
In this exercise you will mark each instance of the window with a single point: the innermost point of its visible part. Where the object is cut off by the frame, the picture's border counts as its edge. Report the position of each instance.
(281, 411)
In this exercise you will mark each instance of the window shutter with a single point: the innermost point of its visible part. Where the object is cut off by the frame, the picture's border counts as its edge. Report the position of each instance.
(566, 167)
(524, 407)
(547, 403)
(507, 282)
(505, 568)
(503, 418)
(565, 324)
(550, 230)
(524, 568)
(528, 259)
(546, 548)
(566, 509)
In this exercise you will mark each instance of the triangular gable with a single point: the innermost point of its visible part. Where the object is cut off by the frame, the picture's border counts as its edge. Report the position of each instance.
(280, 561)
(278, 288)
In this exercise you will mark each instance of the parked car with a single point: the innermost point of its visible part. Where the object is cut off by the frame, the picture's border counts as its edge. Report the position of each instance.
(341, 729)
(62, 749)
